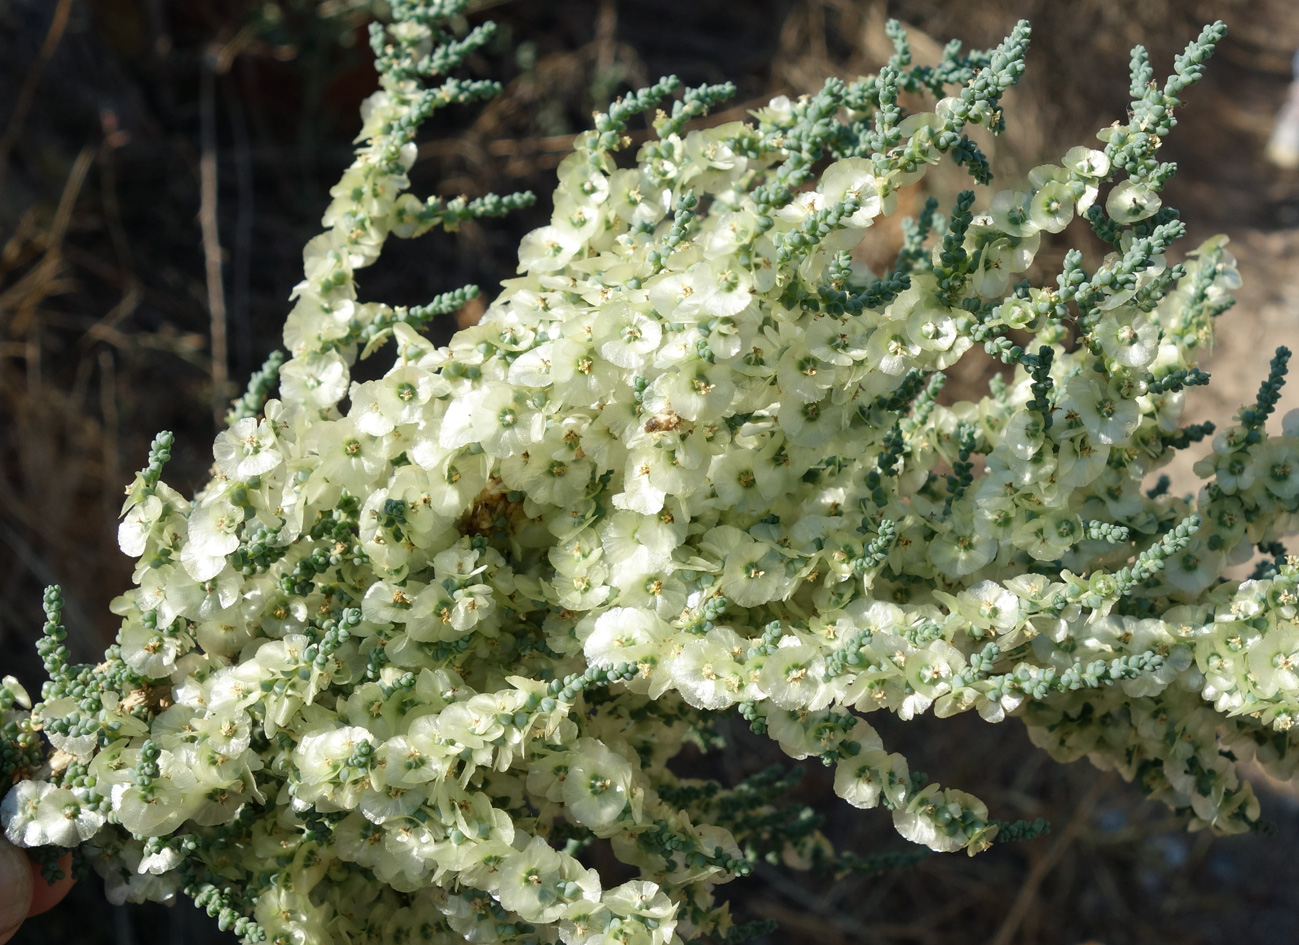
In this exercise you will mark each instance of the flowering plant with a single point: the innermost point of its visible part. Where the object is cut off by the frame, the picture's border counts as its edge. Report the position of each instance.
(424, 639)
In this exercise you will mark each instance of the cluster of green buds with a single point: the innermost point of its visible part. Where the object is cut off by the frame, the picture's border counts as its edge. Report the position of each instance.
(424, 640)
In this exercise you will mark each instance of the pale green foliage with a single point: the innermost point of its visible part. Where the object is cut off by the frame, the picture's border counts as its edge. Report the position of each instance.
(423, 638)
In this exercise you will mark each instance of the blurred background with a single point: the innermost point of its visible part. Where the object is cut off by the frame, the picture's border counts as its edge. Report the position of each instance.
(162, 163)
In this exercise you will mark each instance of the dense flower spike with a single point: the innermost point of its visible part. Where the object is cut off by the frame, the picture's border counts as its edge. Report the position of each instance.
(423, 639)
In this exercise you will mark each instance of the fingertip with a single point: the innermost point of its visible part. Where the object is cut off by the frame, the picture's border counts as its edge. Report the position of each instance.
(46, 896)
(15, 889)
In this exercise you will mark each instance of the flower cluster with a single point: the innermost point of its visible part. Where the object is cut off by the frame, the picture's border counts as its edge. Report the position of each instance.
(424, 639)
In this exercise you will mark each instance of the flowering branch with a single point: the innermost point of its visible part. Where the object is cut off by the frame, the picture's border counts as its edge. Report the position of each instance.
(423, 639)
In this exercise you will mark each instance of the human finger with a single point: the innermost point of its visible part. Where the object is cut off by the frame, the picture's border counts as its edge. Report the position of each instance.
(15, 888)
(46, 895)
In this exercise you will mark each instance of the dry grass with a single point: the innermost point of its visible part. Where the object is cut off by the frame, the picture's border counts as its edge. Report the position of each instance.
(145, 210)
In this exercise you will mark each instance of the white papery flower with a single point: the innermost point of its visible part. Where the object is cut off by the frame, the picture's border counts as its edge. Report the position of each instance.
(801, 375)
(382, 804)
(639, 493)
(812, 424)
(347, 459)
(163, 805)
(1087, 163)
(289, 915)
(317, 379)
(213, 534)
(1129, 202)
(150, 651)
(937, 818)
(623, 635)
(961, 551)
(319, 756)
(596, 786)
(138, 524)
(735, 482)
(20, 812)
(1106, 414)
(892, 350)
(503, 423)
(1010, 211)
(548, 248)
(205, 600)
(753, 572)
(791, 677)
(706, 674)
(538, 882)
(1278, 465)
(990, 606)
(642, 544)
(1052, 207)
(163, 860)
(378, 407)
(1129, 338)
(625, 337)
(247, 449)
(853, 177)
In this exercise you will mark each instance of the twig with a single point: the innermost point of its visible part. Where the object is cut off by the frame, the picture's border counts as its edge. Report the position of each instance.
(40, 282)
(68, 199)
(91, 263)
(1028, 892)
(106, 328)
(561, 144)
(606, 29)
(108, 406)
(813, 921)
(80, 640)
(115, 138)
(245, 209)
(26, 95)
(207, 217)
